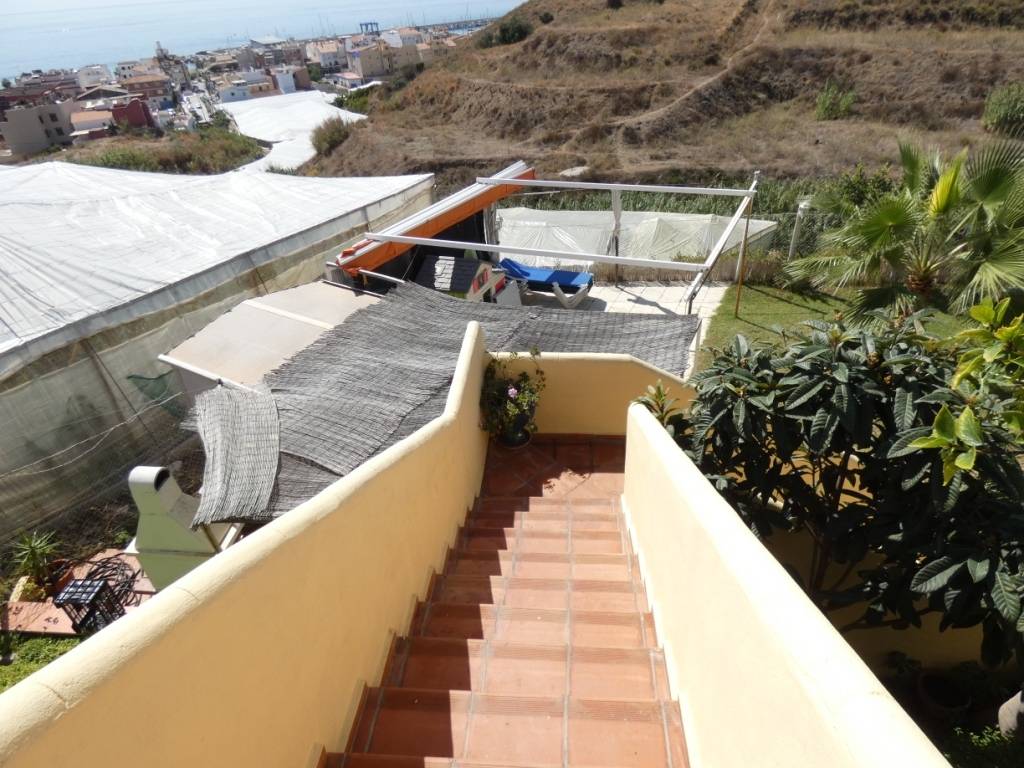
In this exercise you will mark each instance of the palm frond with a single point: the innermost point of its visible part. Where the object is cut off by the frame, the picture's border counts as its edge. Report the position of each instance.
(830, 201)
(945, 196)
(886, 223)
(993, 172)
(913, 162)
(893, 298)
(825, 268)
(992, 276)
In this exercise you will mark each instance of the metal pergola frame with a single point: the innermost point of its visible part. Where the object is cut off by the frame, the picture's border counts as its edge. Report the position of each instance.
(702, 270)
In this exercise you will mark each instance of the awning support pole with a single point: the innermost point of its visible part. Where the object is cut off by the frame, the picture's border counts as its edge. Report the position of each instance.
(741, 262)
(616, 227)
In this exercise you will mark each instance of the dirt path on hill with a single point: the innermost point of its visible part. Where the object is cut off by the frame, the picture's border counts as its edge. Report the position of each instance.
(766, 17)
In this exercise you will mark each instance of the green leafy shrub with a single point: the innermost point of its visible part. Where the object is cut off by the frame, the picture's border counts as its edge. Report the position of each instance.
(546, 18)
(354, 101)
(987, 748)
(1004, 110)
(833, 102)
(818, 435)
(330, 135)
(511, 30)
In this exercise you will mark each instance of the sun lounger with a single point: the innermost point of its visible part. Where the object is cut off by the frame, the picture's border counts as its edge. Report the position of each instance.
(570, 288)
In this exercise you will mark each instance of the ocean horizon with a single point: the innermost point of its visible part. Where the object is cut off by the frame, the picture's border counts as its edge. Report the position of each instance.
(50, 34)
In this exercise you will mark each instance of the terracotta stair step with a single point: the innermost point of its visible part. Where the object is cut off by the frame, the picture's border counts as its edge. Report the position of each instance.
(528, 670)
(549, 521)
(554, 594)
(548, 504)
(541, 565)
(364, 760)
(534, 626)
(550, 731)
(522, 540)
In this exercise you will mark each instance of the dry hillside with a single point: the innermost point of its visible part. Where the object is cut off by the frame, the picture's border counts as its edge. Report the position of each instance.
(655, 89)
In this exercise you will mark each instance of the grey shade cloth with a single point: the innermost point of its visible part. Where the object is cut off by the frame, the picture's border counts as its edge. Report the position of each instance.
(385, 372)
(239, 430)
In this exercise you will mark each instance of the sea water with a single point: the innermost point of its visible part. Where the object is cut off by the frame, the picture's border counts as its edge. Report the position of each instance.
(44, 34)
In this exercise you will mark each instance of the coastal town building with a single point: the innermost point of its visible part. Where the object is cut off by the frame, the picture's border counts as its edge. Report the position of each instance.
(91, 124)
(289, 78)
(103, 97)
(246, 85)
(31, 129)
(93, 75)
(329, 54)
(133, 114)
(372, 58)
(126, 70)
(404, 36)
(51, 79)
(156, 89)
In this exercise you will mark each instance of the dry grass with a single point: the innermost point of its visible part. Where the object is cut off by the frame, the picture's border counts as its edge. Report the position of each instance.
(210, 150)
(652, 90)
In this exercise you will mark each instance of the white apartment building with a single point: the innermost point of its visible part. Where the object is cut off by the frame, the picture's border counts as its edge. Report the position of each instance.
(241, 86)
(404, 36)
(92, 75)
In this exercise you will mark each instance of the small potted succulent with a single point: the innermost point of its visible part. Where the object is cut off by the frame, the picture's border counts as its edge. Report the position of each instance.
(508, 402)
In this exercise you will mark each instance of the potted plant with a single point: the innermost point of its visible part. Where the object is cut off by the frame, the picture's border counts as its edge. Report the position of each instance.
(508, 402)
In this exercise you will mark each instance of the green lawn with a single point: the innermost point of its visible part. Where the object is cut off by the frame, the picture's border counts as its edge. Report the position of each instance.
(762, 308)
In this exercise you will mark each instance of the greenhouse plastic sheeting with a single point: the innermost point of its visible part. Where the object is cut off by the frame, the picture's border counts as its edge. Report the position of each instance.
(102, 270)
(83, 249)
(643, 235)
(287, 122)
(279, 118)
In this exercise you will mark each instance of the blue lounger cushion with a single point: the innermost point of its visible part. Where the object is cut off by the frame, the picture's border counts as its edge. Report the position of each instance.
(541, 278)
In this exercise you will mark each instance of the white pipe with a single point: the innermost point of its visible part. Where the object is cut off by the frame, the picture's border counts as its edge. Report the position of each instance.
(594, 185)
(709, 264)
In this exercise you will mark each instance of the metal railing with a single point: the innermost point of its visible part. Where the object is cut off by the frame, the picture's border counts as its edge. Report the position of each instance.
(702, 270)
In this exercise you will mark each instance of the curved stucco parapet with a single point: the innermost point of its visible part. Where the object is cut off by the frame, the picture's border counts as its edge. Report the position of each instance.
(762, 677)
(589, 393)
(264, 650)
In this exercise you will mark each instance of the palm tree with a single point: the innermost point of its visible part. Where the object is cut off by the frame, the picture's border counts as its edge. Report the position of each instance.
(949, 236)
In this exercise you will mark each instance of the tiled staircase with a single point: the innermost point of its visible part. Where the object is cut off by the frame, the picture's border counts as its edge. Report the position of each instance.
(535, 646)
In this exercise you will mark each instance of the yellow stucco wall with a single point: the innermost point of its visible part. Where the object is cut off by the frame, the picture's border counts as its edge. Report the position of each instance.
(262, 652)
(590, 393)
(925, 643)
(762, 678)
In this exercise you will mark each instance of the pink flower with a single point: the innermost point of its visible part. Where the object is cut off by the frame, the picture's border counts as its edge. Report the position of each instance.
(512, 392)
